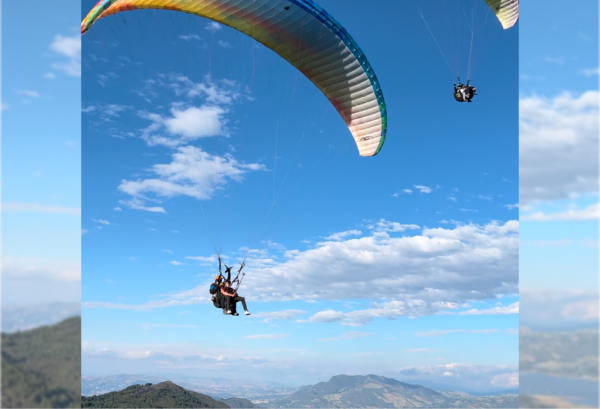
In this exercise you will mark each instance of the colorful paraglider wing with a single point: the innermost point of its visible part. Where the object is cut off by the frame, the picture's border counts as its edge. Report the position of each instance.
(507, 11)
(305, 35)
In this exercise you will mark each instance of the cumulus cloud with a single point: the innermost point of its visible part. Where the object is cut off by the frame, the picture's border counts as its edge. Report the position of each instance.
(344, 234)
(184, 125)
(436, 271)
(386, 226)
(213, 26)
(589, 213)
(193, 172)
(188, 121)
(106, 112)
(189, 37)
(558, 146)
(500, 310)
(423, 189)
(69, 47)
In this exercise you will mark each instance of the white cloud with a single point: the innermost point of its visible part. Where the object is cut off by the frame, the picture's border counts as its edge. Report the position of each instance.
(189, 37)
(423, 189)
(408, 191)
(589, 213)
(106, 222)
(187, 121)
(106, 112)
(558, 146)
(176, 263)
(223, 44)
(387, 226)
(69, 47)
(213, 26)
(35, 268)
(344, 234)
(117, 209)
(500, 310)
(192, 172)
(138, 204)
(513, 206)
(40, 208)
(167, 251)
(507, 380)
(434, 272)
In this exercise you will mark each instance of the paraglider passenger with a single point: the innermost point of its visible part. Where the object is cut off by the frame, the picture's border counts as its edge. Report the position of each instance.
(215, 290)
(231, 296)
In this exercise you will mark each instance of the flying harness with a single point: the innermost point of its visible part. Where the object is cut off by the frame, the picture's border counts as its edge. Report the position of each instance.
(237, 280)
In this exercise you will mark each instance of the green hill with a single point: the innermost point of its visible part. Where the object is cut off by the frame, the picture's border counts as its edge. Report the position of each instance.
(161, 395)
(239, 403)
(41, 368)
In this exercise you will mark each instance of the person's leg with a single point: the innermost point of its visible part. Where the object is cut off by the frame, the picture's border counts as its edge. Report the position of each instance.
(243, 301)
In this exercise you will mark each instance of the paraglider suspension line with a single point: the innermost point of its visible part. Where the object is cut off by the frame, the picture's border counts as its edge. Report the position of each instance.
(471, 27)
(420, 11)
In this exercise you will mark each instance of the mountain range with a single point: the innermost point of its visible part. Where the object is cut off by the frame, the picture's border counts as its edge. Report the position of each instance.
(342, 391)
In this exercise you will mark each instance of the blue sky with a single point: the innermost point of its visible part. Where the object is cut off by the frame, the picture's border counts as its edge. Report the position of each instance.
(407, 259)
(558, 57)
(41, 154)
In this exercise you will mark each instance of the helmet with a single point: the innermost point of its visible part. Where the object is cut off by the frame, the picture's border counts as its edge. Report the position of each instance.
(218, 278)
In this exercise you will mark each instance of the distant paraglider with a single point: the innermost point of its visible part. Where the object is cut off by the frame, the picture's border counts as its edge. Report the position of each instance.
(464, 92)
(506, 11)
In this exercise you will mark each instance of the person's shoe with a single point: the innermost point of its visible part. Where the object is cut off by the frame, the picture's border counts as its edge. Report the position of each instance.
(235, 314)
(224, 311)
(247, 313)
(228, 311)
(469, 100)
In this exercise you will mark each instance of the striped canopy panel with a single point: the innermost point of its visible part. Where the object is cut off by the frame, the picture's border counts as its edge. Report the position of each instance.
(507, 11)
(307, 37)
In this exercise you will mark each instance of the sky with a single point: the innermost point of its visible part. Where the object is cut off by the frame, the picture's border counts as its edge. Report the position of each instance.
(558, 259)
(41, 154)
(196, 139)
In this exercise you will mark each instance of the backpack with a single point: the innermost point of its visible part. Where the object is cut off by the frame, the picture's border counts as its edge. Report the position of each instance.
(214, 288)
